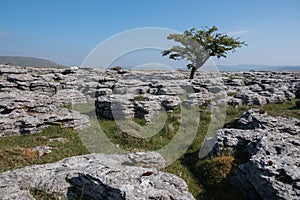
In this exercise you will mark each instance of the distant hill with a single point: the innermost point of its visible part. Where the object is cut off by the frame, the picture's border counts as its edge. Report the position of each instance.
(28, 61)
(249, 67)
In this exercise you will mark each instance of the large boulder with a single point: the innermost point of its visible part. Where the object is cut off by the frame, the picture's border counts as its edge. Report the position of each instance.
(273, 147)
(97, 176)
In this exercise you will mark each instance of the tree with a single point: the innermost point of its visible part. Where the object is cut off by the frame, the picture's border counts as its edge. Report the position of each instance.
(198, 45)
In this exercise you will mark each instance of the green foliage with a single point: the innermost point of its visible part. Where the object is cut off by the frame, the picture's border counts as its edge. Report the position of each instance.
(231, 94)
(42, 195)
(214, 171)
(139, 98)
(68, 106)
(197, 46)
(140, 121)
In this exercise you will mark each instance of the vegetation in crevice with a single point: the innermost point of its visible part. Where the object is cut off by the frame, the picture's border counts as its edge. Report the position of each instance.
(43, 195)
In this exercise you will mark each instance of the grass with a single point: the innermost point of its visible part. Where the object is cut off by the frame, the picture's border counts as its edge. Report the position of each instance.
(231, 94)
(287, 109)
(140, 121)
(42, 195)
(15, 150)
(139, 98)
(214, 171)
(206, 178)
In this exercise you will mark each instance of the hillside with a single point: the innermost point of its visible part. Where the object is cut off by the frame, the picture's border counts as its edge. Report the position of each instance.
(253, 67)
(28, 61)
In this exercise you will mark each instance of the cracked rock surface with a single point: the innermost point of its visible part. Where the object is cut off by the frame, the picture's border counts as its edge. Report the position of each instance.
(34, 98)
(97, 176)
(273, 147)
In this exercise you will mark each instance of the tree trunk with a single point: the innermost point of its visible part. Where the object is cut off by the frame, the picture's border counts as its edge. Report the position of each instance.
(192, 72)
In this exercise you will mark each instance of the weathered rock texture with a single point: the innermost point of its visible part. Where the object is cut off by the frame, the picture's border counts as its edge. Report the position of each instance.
(273, 146)
(142, 94)
(29, 112)
(96, 176)
(33, 98)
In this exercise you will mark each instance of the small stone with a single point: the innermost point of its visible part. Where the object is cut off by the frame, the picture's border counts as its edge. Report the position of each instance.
(42, 150)
(62, 140)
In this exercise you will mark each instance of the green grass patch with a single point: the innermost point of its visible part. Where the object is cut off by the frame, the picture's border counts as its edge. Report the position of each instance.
(68, 106)
(130, 136)
(286, 109)
(231, 94)
(14, 150)
(140, 121)
(139, 98)
(235, 112)
(42, 195)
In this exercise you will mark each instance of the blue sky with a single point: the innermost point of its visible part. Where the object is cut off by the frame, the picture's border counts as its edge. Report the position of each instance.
(66, 31)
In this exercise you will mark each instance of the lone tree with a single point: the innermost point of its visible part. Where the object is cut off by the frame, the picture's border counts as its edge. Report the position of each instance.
(198, 45)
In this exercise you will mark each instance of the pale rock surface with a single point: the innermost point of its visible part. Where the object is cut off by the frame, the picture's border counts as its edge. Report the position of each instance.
(97, 176)
(273, 147)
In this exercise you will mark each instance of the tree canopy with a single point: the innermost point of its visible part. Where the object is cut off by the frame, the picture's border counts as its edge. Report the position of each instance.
(197, 46)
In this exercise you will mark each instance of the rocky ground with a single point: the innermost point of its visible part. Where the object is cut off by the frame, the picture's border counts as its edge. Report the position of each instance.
(34, 98)
(272, 145)
(97, 176)
(143, 94)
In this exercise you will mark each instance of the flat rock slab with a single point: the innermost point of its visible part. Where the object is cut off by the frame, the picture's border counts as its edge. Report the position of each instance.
(97, 176)
(27, 112)
(42, 92)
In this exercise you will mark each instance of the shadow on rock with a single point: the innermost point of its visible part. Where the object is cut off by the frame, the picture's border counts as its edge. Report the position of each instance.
(85, 186)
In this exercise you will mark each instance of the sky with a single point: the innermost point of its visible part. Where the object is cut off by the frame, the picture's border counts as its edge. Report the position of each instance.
(66, 31)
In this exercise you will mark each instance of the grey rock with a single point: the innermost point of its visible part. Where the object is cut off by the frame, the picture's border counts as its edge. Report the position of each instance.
(69, 96)
(42, 86)
(42, 150)
(114, 92)
(255, 88)
(95, 176)
(11, 191)
(62, 140)
(103, 92)
(235, 102)
(296, 89)
(235, 82)
(273, 145)
(115, 106)
(297, 103)
(30, 112)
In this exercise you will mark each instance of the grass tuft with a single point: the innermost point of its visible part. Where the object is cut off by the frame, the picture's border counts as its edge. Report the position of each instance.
(139, 98)
(43, 195)
(214, 171)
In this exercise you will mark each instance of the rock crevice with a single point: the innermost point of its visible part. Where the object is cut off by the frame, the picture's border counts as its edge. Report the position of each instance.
(273, 148)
